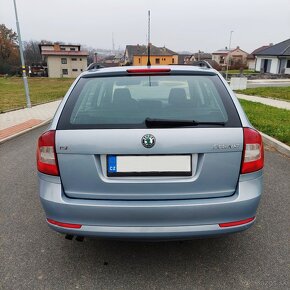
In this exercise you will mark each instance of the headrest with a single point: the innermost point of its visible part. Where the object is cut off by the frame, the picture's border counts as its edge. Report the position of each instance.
(121, 95)
(177, 96)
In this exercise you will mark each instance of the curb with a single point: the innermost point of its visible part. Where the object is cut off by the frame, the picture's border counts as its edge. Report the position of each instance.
(279, 146)
(25, 131)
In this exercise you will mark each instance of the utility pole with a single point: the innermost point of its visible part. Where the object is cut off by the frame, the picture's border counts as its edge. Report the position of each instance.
(113, 42)
(148, 61)
(28, 103)
(229, 54)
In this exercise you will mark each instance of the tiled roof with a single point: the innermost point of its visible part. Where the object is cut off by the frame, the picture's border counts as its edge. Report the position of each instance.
(52, 44)
(221, 51)
(226, 51)
(64, 53)
(142, 50)
(260, 49)
(279, 49)
(202, 55)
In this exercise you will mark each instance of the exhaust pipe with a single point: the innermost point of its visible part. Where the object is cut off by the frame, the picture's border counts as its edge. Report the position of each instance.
(69, 237)
(78, 238)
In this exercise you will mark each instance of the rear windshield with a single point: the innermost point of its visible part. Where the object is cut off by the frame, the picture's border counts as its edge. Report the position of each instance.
(126, 101)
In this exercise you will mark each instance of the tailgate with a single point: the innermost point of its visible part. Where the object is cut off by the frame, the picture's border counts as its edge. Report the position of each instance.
(210, 165)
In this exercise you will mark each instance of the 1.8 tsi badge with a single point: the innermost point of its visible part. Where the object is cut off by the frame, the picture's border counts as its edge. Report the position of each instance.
(148, 141)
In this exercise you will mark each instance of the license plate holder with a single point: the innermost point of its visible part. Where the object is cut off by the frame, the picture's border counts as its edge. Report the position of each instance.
(149, 165)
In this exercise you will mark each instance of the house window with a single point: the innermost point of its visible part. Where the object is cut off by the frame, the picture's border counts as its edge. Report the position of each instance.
(72, 48)
(288, 63)
(64, 61)
(74, 59)
(139, 59)
(173, 60)
(62, 48)
(81, 69)
(80, 59)
(64, 71)
(74, 69)
(157, 60)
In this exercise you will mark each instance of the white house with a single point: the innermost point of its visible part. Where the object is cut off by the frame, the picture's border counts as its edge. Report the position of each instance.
(274, 59)
(64, 60)
(251, 59)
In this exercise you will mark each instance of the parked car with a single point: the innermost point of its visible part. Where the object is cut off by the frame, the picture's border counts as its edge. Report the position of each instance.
(150, 152)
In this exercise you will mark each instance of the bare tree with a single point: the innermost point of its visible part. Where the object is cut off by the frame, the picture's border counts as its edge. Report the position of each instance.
(31, 52)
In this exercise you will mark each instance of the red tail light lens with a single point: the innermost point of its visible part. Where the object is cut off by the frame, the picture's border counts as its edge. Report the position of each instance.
(64, 225)
(46, 156)
(148, 70)
(253, 153)
(236, 223)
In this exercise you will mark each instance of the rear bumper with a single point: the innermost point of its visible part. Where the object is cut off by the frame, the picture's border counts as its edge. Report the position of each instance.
(172, 219)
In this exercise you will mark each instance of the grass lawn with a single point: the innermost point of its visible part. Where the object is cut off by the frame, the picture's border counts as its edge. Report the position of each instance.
(282, 93)
(42, 90)
(271, 121)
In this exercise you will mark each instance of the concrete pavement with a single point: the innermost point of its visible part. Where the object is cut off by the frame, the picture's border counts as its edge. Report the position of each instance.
(266, 101)
(268, 83)
(16, 122)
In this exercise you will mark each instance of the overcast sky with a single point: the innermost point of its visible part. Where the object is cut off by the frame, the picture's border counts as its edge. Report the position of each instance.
(178, 24)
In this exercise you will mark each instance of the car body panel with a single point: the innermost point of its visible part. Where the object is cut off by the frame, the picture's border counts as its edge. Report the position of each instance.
(175, 218)
(215, 169)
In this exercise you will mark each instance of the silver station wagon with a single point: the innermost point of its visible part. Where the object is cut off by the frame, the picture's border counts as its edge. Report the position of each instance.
(150, 153)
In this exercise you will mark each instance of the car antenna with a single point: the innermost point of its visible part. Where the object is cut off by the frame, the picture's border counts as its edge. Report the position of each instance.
(148, 48)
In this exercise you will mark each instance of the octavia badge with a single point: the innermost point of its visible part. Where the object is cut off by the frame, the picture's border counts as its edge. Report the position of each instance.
(148, 141)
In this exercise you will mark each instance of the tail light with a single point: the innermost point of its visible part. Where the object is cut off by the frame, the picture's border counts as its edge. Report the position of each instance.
(253, 153)
(46, 156)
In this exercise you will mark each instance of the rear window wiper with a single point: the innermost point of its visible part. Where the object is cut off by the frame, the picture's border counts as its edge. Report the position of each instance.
(169, 123)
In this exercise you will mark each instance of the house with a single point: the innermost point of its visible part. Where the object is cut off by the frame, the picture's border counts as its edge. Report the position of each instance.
(274, 59)
(63, 60)
(138, 55)
(251, 59)
(190, 58)
(235, 57)
(184, 58)
(110, 60)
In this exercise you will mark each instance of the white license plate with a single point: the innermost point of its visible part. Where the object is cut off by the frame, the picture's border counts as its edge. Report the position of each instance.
(149, 165)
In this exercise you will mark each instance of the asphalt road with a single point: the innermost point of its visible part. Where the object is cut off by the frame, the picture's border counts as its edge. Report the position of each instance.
(34, 257)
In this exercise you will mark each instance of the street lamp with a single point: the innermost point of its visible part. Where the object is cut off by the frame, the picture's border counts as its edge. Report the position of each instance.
(229, 55)
(28, 103)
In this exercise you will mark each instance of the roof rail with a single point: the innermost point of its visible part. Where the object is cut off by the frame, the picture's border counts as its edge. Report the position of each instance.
(202, 63)
(94, 65)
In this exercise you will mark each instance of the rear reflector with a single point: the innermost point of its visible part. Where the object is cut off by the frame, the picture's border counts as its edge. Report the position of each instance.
(253, 153)
(148, 70)
(236, 223)
(46, 156)
(64, 225)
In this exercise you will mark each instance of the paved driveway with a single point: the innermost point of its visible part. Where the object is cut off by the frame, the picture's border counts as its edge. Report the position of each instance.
(34, 257)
